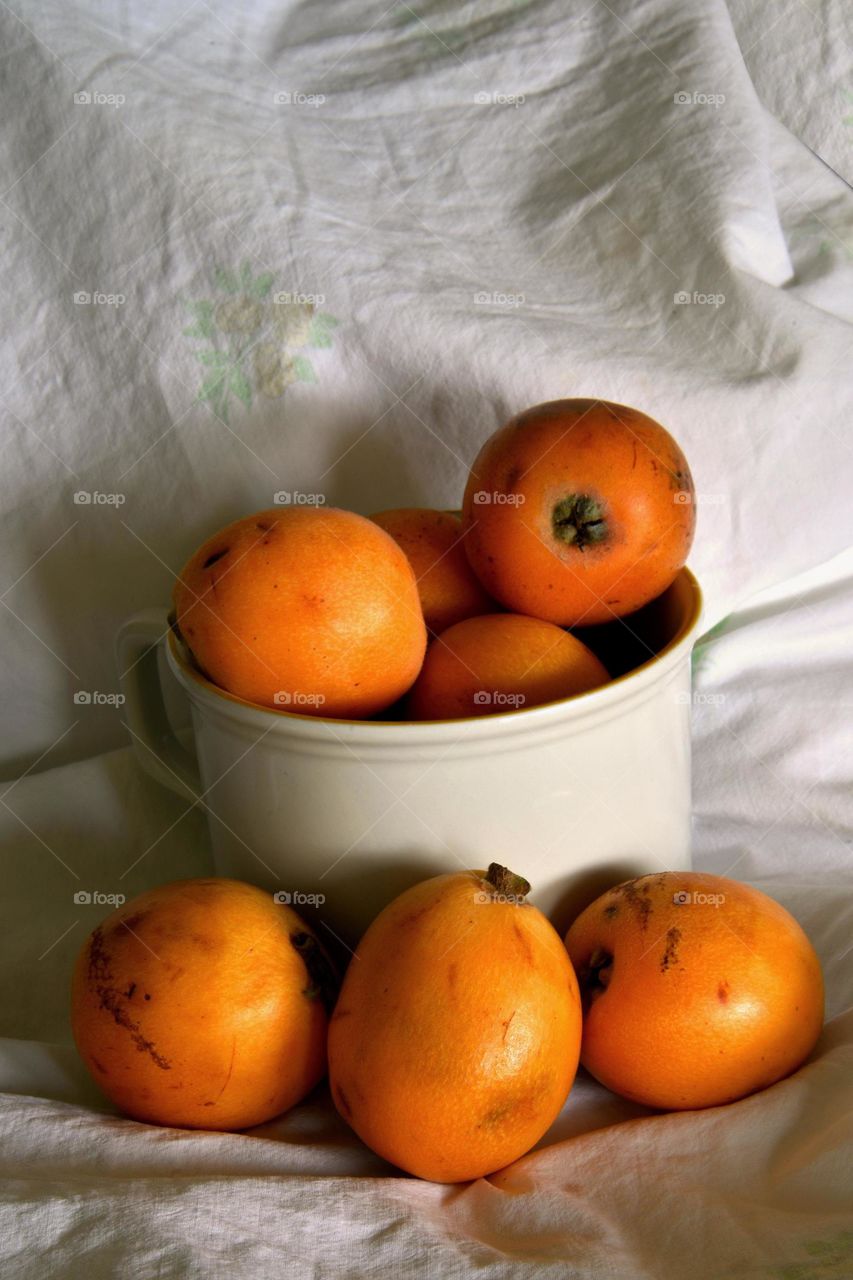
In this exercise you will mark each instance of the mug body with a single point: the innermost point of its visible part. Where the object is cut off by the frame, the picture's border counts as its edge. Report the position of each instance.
(576, 795)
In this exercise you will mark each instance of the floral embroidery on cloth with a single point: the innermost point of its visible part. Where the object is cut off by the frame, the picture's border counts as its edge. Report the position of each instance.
(256, 339)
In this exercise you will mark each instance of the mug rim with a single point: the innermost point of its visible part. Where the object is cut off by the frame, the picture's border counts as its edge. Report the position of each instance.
(580, 704)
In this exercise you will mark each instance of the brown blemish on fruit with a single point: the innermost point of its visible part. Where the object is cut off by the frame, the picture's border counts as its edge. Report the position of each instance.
(611, 911)
(512, 479)
(99, 1066)
(525, 945)
(342, 1101)
(229, 1073)
(134, 921)
(203, 941)
(413, 916)
(516, 1109)
(111, 999)
(263, 526)
(212, 559)
(723, 992)
(680, 481)
(637, 901)
(130, 991)
(496, 1115)
(670, 952)
(451, 975)
(505, 1025)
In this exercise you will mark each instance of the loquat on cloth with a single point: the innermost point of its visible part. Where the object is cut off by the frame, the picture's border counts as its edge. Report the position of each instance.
(299, 247)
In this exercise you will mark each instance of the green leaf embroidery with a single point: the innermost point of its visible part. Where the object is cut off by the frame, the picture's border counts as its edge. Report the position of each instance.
(203, 315)
(226, 280)
(241, 386)
(212, 387)
(318, 337)
(230, 371)
(263, 284)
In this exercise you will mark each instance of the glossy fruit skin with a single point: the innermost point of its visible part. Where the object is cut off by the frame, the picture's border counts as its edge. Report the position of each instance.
(498, 663)
(193, 1006)
(706, 1001)
(642, 518)
(455, 1039)
(449, 589)
(309, 610)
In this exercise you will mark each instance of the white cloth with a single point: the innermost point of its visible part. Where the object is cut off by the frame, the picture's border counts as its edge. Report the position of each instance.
(475, 253)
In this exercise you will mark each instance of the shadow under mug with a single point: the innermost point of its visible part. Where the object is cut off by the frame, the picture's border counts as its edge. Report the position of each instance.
(342, 815)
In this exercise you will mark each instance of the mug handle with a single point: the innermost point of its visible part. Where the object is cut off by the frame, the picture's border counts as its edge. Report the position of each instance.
(158, 748)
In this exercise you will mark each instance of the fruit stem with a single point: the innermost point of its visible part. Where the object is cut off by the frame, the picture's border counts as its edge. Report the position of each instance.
(578, 520)
(506, 882)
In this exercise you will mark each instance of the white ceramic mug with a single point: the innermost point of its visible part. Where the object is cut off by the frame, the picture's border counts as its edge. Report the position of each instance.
(575, 795)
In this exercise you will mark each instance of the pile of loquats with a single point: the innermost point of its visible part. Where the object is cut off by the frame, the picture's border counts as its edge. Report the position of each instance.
(453, 1040)
(577, 512)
